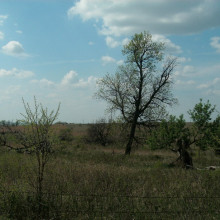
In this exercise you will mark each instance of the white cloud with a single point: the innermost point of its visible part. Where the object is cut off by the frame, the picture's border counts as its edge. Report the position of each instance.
(71, 80)
(120, 62)
(126, 17)
(170, 47)
(12, 89)
(186, 71)
(189, 82)
(183, 59)
(16, 73)
(215, 92)
(69, 77)
(8, 93)
(110, 60)
(212, 83)
(77, 102)
(19, 32)
(216, 81)
(91, 81)
(205, 79)
(211, 87)
(1, 35)
(203, 86)
(91, 43)
(43, 82)
(125, 41)
(215, 43)
(14, 48)
(111, 42)
(107, 60)
(3, 18)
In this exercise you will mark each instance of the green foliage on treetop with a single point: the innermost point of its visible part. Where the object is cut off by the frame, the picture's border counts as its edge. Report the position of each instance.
(167, 132)
(204, 131)
(201, 114)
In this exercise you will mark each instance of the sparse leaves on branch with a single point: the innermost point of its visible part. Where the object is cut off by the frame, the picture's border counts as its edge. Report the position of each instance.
(176, 135)
(141, 89)
(34, 135)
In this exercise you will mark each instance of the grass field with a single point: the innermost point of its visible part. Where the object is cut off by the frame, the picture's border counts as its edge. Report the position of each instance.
(88, 181)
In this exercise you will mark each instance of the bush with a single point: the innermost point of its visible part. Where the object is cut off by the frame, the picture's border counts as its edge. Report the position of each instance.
(100, 132)
(66, 135)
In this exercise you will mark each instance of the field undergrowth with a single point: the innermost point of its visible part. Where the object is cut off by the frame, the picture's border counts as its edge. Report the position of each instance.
(85, 181)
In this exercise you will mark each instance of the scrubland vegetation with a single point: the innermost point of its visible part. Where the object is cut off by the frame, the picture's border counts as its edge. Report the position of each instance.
(146, 164)
(85, 180)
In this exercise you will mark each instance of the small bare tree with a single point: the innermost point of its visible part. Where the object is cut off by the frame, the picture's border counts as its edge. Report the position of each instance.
(37, 136)
(34, 136)
(100, 132)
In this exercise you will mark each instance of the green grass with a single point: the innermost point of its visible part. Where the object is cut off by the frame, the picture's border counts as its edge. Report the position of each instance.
(89, 182)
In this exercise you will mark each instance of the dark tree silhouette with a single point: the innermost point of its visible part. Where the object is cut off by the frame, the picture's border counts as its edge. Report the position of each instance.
(141, 88)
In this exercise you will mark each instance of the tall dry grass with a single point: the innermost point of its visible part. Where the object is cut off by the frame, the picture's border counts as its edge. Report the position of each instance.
(89, 182)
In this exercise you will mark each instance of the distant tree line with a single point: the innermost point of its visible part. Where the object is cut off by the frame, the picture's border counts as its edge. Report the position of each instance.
(8, 123)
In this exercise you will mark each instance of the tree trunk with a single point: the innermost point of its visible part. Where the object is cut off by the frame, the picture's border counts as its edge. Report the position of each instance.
(186, 160)
(131, 137)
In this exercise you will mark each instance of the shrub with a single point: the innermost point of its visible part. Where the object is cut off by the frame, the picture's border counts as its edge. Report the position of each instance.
(66, 135)
(100, 132)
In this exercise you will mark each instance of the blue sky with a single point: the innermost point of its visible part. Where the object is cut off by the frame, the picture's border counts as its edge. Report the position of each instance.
(57, 49)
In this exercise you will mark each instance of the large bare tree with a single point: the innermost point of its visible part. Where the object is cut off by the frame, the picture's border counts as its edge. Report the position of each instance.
(141, 88)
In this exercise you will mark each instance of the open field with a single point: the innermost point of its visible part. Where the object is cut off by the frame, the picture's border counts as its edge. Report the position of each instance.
(88, 181)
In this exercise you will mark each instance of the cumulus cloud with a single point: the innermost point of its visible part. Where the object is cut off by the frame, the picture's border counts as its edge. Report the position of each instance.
(111, 42)
(77, 96)
(8, 93)
(19, 32)
(170, 47)
(211, 87)
(1, 35)
(183, 59)
(188, 82)
(195, 78)
(120, 62)
(14, 48)
(43, 82)
(107, 60)
(126, 17)
(110, 60)
(16, 73)
(71, 80)
(188, 70)
(69, 77)
(3, 18)
(12, 89)
(125, 41)
(90, 81)
(91, 43)
(215, 43)
(185, 71)
(207, 85)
